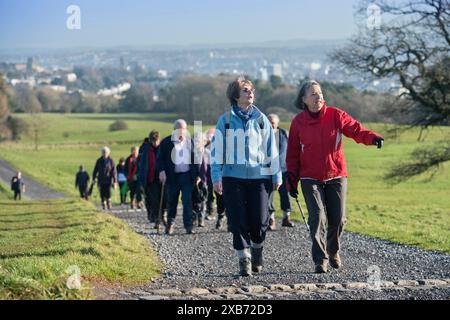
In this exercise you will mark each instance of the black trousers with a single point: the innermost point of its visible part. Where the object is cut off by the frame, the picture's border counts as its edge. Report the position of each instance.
(326, 208)
(83, 191)
(135, 191)
(285, 200)
(17, 195)
(105, 192)
(152, 201)
(123, 195)
(246, 202)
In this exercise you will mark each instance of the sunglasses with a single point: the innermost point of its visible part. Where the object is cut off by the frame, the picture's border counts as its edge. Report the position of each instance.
(246, 90)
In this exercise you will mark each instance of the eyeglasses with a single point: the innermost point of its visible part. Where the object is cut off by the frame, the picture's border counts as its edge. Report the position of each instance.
(247, 90)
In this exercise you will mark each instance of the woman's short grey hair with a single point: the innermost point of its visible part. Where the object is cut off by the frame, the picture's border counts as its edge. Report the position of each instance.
(105, 150)
(302, 93)
(133, 149)
(179, 123)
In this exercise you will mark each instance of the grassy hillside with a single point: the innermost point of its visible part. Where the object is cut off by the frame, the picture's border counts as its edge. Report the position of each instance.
(44, 243)
(416, 212)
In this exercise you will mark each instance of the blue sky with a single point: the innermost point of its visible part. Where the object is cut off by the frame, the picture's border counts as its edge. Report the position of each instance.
(42, 23)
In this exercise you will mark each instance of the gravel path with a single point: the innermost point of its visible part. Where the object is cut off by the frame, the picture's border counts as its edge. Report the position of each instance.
(206, 260)
(33, 189)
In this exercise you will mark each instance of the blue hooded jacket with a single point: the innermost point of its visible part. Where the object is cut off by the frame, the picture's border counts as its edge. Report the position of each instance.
(248, 152)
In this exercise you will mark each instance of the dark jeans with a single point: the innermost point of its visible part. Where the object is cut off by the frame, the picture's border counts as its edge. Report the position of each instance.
(105, 192)
(152, 201)
(17, 194)
(185, 185)
(83, 191)
(285, 200)
(326, 204)
(246, 202)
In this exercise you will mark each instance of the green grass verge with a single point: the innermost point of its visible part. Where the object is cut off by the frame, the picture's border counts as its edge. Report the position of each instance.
(42, 243)
(5, 193)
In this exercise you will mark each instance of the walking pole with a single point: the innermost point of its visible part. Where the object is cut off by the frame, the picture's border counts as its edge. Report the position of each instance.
(303, 215)
(160, 211)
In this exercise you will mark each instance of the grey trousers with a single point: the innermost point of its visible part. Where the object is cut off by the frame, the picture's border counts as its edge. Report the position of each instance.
(326, 208)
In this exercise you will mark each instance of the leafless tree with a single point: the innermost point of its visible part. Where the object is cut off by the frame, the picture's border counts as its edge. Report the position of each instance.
(411, 44)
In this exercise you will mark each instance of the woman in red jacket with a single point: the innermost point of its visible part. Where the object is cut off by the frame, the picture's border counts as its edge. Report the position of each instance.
(315, 158)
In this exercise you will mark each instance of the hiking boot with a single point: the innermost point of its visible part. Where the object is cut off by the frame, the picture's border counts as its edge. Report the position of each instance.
(104, 205)
(257, 259)
(169, 229)
(287, 222)
(335, 261)
(245, 267)
(321, 268)
(272, 224)
(219, 222)
(201, 222)
(190, 231)
(132, 204)
(108, 205)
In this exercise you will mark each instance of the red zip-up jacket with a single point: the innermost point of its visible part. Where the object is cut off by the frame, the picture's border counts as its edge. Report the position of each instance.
(315, 144)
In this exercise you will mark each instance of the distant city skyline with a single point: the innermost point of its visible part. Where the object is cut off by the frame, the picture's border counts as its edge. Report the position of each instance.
(112, 23)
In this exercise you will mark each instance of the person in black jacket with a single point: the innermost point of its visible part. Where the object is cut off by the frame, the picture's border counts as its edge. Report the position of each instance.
(149, 178)
(17, 186)
(178, 170)
(81, 182)
(106, 176)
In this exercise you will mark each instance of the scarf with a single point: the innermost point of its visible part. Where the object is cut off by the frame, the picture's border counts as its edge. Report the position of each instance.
(244, 115)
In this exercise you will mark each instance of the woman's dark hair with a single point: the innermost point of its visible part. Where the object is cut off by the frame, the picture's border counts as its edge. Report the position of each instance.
(153, 136)
(302, 93)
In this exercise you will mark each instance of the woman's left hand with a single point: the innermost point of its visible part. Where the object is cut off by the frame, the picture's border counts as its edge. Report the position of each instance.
(276, 186)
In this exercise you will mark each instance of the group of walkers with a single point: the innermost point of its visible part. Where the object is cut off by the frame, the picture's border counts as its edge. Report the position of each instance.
(242, 163)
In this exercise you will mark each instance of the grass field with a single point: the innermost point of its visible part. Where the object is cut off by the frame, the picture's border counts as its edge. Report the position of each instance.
(416, 212)
(44, 243)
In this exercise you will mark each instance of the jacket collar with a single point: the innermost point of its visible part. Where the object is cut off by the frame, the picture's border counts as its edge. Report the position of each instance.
(310, 119)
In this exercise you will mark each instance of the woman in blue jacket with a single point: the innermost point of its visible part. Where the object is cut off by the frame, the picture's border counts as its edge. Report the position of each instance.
(245, 169)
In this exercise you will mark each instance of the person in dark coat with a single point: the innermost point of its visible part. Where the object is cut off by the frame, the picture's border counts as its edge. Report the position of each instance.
(149, 178)
(81, 182)
(106, 176)
(17, 186)
(179, 172)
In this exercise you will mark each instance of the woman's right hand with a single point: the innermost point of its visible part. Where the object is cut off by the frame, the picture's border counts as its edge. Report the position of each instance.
(218, 187)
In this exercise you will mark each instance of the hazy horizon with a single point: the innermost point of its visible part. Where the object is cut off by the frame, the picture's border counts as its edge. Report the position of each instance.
(174, 23)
